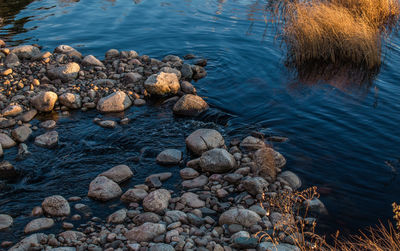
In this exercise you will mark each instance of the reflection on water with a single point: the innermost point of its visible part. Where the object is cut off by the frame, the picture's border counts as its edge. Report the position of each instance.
(339, 138)
(10, 25)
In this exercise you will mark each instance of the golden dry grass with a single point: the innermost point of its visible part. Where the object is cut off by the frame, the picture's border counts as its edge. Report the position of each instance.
(379, 238)
(325, 33)
(338, 33)
(381, 14)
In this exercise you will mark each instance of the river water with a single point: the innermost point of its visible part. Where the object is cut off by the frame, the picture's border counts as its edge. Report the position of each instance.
(340, 137)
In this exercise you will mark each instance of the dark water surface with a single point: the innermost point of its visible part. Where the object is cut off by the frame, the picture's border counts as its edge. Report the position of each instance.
(339, 137)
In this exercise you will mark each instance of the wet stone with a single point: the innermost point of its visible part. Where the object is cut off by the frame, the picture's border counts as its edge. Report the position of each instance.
(48, 140)
(48, 124)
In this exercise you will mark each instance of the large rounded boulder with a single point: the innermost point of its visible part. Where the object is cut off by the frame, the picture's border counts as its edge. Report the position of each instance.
(162, 84)
(157, 201)
(190, 105)
(217, 160)
(203, 140)
(56, 205)
(104, 189)
(44, 101)
(244, 217)
(116, 102)
(66, 72)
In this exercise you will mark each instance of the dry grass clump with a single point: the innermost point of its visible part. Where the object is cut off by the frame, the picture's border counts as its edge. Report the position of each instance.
(334, 34)
(381, 14)
(326, 33)
(379, 238)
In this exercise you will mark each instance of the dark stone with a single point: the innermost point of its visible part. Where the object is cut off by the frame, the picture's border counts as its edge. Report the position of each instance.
(154, 182)
(243, 242)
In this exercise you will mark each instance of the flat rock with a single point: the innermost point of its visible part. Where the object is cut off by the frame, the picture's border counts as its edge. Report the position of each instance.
(38, 225)
(12, 110)
(21, 133)
(217, 160)
(244, 217)
(5, 221)
(203, 140)
(116, 102)
(56, 206)
(134, 195)
(146, 217)
(118, 173)
(70, 100)
(68, 50)
(146, 232)
(252, 143)
(49, 139)
(162, 84)
(107, 123)
(48, 124)
(161, 176)
(197, 182)
(27, 116)
(190, 105)
(103, 188)
(169, 157)
(6, 142)
(192, 200)
(65, 73)
(91, 60)
(188, 173)
(157, 201)
(25, 51)
(44, 101)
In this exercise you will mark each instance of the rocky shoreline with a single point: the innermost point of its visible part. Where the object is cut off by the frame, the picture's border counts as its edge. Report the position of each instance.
(230, 197)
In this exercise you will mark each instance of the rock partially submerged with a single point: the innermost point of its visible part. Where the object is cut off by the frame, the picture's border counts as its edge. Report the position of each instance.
(104, 189)
(5, 221)
(203, 140)
(190, 105)
(162, 84)
(56, 206)
(118, 173)
(48, 140)
(217, 160)
(116, 102)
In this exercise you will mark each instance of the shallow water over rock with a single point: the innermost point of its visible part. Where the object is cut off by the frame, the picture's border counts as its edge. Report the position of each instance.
(339, 136)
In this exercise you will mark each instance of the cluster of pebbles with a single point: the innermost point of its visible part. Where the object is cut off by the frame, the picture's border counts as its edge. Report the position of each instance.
(221, 205)
(222, 201)
(35, 82)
